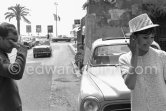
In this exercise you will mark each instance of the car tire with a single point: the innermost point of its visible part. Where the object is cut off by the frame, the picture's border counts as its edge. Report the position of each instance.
(49, 55)
(34, 55)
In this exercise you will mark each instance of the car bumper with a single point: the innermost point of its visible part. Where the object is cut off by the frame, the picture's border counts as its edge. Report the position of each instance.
(42, 53)
(116, 105)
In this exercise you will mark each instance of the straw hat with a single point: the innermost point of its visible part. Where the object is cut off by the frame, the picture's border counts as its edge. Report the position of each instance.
(139, 23)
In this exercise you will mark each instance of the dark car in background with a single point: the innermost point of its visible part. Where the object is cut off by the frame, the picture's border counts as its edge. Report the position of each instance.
(61, 38)
(42, 49)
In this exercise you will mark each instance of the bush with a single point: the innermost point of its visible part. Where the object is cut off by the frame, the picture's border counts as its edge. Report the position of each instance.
(79, 57)
(156, 10)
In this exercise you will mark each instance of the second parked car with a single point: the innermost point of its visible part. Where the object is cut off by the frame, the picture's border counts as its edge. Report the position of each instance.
(42, 49)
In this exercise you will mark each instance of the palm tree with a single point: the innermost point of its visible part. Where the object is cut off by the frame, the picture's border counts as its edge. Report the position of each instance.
(17, 12)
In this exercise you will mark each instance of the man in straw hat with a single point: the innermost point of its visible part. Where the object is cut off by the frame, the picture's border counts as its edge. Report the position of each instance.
(9, 72)
(144, 67)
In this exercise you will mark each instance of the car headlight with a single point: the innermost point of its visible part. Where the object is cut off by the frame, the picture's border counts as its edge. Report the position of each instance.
(90, 105)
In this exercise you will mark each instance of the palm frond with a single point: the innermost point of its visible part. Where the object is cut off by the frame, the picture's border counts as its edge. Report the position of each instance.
(24, 9)
(9, 15)
(26, 20)
(24, 14)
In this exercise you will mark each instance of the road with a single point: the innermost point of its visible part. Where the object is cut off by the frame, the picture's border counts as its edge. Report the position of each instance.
(49, 84)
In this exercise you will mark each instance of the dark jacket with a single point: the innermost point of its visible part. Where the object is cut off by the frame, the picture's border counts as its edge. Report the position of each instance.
(9, 72)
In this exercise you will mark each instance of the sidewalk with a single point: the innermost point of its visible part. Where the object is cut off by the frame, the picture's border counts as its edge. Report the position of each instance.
(72, 48)
(54, 84)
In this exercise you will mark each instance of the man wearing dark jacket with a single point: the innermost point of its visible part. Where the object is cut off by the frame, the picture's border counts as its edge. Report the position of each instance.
(9, 72)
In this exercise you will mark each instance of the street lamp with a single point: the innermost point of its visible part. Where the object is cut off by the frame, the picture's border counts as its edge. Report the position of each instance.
(56, 4)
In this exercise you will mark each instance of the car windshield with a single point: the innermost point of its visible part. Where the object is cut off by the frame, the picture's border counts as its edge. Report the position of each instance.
(108, 55)
(46, 43)
(43, 42)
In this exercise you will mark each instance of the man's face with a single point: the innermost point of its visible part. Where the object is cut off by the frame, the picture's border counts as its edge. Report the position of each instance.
(5, 44)
(145, 40)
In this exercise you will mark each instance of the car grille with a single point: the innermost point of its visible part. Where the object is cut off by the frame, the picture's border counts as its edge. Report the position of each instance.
(118, 107)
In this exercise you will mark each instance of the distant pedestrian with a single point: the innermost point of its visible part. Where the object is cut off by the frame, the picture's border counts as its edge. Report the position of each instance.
(144, 67)
(9, 72)
(48, 36)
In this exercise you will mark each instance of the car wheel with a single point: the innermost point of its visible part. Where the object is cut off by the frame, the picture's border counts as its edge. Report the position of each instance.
(49, 55)
(34, 55)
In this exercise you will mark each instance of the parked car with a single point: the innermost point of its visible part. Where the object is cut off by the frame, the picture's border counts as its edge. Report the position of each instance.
(28, 41)
(28, 44)
(56, 39)
(102, 86)
(42, 49)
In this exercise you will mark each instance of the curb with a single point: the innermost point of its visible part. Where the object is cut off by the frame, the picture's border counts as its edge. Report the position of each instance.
(74, 50)
(76, 69)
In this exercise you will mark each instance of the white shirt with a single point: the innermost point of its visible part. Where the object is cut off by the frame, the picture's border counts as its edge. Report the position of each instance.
(149, 93)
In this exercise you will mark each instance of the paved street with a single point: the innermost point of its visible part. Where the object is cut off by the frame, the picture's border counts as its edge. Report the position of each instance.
(49, 84)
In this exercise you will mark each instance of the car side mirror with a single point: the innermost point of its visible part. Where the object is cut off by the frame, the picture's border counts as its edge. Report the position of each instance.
(87, 65)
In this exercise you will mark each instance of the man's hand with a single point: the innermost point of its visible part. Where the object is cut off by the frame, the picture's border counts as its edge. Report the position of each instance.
(15, 44)
(133, 45)
(20, 47)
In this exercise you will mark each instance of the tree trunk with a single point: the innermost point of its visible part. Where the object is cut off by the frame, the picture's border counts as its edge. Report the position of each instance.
(18, 28)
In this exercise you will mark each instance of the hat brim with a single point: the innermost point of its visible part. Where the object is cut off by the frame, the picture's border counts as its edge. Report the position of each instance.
(144, 28)
(147, 27)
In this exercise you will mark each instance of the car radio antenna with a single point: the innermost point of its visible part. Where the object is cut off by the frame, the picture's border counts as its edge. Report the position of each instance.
(123, 33)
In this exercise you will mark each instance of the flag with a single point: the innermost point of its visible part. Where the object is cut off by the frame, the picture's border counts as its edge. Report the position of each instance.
(56, 17)
(28, 28)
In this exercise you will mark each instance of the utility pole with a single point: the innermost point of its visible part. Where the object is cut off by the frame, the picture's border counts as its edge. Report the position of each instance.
(56, 19)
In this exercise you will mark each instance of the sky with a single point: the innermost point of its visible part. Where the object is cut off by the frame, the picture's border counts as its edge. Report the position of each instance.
(41, 13)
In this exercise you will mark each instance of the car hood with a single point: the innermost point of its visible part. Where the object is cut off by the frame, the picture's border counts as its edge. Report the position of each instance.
(110, 82)
(42, 46)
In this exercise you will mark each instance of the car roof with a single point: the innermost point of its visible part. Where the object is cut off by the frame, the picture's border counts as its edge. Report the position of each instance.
(109, 41)
(115, 40)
